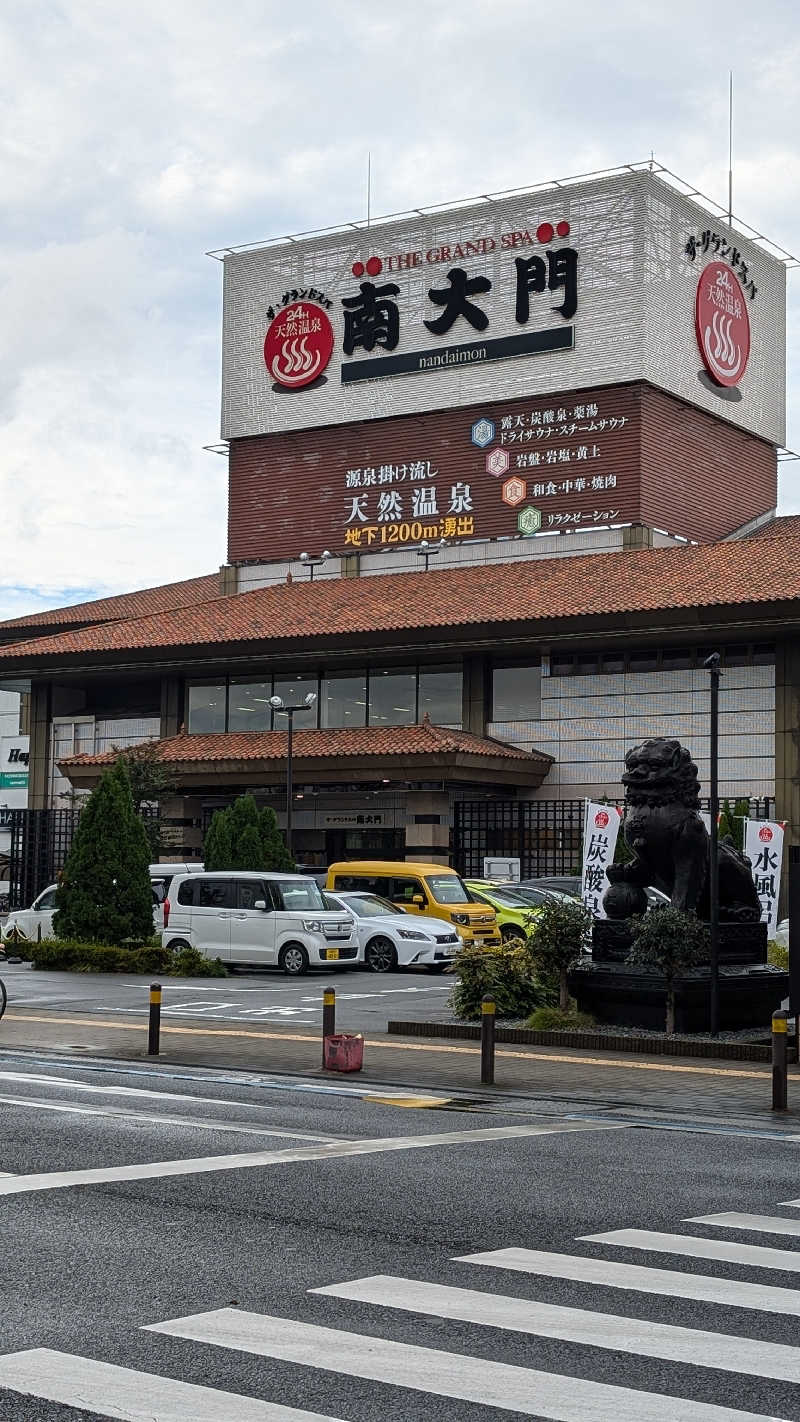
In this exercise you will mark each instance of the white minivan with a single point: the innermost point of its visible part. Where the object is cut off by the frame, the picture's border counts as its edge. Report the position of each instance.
(261, 919)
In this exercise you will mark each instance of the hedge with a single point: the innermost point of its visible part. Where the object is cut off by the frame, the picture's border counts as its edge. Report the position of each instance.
(69, 956)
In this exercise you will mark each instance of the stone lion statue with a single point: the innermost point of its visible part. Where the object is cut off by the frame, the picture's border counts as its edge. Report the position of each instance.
(670, 844)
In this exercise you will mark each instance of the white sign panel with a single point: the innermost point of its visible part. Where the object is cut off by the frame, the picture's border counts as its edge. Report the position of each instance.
(600, 831)
(611, 280)
(763, 845)
(502, 869)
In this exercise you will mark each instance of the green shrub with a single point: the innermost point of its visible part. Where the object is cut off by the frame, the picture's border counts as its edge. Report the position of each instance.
(555, 1019)
(63, 955)
(777, 955)
(556, 942)
(671, 943)
(504, 970)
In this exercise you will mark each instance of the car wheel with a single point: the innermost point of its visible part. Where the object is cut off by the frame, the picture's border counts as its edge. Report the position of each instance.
(294, 960)
(510, 933)
(177, 945)
(380, 955)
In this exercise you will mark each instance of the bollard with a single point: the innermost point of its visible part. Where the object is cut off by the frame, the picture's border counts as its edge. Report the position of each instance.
(328, 1016)
(488, 1010)
(38, 933)
(154, 1029)
(779, 1043)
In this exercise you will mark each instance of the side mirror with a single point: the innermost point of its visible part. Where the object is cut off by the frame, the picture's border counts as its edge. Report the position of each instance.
(261, 904)
(419, 900)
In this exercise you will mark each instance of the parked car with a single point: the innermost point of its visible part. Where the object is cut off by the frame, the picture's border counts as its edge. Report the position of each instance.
(29, 921)
(782, 933)
(258, 919)
(514, 911)
(564, 883)
(389, 937)
(430, 889)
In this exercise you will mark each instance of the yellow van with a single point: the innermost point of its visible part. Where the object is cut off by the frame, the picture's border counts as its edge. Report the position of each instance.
(431, 889)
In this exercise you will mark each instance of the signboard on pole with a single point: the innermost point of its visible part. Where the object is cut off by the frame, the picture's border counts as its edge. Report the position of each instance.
(763, 845)
(600, 831)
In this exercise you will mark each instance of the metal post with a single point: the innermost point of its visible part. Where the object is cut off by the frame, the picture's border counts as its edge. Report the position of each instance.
(712, 663)
(154, 1026)
(779, 1071)
(290, 714)
(794, 940)
(328, 1016)
(488, 1010)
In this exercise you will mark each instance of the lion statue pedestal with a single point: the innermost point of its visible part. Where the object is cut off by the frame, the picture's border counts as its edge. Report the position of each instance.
(670, 850)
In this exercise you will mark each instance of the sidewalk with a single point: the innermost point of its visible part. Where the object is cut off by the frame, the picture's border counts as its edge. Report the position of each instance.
(559, 1076)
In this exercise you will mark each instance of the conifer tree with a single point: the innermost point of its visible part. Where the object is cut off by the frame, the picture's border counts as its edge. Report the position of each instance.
(105, 895)
(218, 843)
(276, 856)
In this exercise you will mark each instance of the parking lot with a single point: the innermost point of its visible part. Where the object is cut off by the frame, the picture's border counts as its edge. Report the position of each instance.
(364, 1000)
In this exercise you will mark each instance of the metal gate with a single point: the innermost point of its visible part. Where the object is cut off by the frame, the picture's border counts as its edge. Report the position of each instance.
(40, 843)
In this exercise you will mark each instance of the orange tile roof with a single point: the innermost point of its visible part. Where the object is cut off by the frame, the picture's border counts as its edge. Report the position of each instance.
(761, 569)
(124, 605)
(421, 739)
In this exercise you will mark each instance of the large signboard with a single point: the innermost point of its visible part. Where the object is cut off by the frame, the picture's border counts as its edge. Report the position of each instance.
(617, 279)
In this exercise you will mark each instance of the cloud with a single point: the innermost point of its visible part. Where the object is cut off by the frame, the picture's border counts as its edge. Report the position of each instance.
(136, 138)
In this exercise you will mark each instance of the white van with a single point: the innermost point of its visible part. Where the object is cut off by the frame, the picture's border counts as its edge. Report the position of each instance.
(260, 919)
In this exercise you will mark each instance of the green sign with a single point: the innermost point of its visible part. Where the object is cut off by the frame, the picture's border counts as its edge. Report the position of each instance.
(13, 779)
(529, 521)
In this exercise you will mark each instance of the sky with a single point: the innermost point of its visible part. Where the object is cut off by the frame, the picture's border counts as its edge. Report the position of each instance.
(137, 138)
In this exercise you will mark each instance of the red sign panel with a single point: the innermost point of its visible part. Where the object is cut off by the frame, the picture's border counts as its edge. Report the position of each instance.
(298, 345)
(722, 324)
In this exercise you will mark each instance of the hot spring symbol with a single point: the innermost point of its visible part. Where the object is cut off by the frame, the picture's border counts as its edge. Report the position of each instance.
(298, 344)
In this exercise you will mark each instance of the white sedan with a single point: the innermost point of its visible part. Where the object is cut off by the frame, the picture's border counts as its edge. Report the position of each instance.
(389, 938)
(36, 921)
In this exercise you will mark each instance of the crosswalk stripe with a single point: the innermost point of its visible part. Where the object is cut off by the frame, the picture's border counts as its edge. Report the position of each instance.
(765, 1224)
(132, 1396)
(525, 1390)
(669, 1283)
(728, 1353)
(729, 1252)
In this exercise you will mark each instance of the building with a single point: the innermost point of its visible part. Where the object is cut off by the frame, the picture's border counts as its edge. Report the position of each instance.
(501, 477)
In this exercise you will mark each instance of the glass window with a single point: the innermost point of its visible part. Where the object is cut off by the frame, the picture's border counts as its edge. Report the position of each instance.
(293, 690)
(206, 708)
(344, 700)
(404, 890)
(393, 696)
(516, 693)
(676, 658)
(370, 883)
(644, 661)
(248, 705)
(447, 889)
(215, 893)
(299, 895)
(561, 665)
(370, 906)
(764, 654)
(440, 695)
(614, 662)
(250, 892)
(186, 891)
(46, 901)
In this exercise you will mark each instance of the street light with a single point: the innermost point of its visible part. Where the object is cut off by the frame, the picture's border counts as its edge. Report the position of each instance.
(428, 550)
(312, 563)
(712, 666)
(281, 709)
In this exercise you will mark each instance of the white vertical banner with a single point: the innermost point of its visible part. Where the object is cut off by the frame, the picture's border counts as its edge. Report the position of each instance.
(763, 845)
(600, 830)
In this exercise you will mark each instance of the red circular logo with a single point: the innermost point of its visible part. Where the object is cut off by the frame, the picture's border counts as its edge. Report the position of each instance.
(298, 344)
(601, 819)
(765, 834)
(722, 324)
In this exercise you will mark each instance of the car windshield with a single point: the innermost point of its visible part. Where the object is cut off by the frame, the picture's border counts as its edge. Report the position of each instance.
(447, 889)
(370, 905)
(300, 894)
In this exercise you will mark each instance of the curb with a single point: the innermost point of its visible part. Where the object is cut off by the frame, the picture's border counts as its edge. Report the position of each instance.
(597, 1041)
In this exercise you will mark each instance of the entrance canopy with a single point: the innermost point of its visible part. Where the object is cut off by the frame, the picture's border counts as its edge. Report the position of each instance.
(406, 754)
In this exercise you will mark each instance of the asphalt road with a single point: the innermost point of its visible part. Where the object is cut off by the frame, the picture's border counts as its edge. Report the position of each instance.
(364, 1000)
(186, 1247)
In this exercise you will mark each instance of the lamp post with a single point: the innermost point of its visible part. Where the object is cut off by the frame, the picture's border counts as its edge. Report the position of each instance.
(428, 550)
(280, 708)
(312, 563)
(712, 665)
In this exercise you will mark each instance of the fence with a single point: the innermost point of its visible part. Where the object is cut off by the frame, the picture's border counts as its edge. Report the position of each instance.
(545, 835)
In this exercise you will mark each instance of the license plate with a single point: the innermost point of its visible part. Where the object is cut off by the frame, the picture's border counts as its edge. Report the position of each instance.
(331, 953)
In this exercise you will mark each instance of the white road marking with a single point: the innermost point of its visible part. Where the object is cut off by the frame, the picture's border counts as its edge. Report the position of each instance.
(756, 1255)
(201, 1165)
(525, 1390)
(639, 1336)
(203, 1123)
(133, 1396)
(764, 1224)
(668, 1283)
